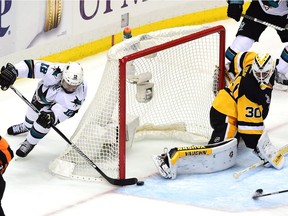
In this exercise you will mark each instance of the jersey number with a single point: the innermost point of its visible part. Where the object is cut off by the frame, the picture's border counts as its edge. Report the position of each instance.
(44, 68)
(70, 113)
(253, 112)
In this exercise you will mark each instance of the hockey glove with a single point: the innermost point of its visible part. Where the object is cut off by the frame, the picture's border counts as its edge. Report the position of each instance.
(8, 76)
(46, 119)
(234, 10)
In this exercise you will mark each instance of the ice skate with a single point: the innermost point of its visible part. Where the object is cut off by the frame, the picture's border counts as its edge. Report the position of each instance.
(17, 129)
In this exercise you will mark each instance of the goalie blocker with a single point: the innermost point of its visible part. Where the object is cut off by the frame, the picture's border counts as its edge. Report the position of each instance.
(197, 159)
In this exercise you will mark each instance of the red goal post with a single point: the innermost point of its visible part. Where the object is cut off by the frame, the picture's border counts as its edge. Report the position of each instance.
(157, 85)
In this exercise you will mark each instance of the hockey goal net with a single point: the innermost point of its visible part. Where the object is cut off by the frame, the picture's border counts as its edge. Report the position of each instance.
(159, 85)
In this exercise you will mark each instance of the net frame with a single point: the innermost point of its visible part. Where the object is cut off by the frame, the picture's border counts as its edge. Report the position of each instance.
(66, 166)
(122, 73)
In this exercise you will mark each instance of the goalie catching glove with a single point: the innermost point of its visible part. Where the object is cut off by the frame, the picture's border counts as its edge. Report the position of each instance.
(46, 119)
(8, 76)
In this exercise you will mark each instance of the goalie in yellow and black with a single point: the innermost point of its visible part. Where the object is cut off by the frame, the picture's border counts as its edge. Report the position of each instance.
(238, 111)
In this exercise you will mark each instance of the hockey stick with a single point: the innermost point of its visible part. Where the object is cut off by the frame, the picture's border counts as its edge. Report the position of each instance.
(236, 175)
(259, 193)
(265, 23)
(119, 182)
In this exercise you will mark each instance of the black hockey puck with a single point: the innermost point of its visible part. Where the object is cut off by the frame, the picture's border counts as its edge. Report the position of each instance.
(140, 183)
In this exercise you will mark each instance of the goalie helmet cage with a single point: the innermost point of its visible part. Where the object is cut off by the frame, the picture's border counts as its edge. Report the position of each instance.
(182, 63)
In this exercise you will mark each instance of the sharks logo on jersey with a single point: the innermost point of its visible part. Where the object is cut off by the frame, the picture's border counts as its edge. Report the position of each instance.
(56, 71)
(76, 102)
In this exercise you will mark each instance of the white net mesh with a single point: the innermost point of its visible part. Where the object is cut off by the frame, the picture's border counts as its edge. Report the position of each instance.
(183, 77)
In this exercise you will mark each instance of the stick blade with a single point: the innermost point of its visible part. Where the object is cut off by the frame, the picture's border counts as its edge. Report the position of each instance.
(236, 175)
(123, 182)
(257, 194)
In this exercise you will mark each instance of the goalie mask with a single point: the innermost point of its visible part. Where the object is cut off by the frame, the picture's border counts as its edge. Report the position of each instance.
(263, 67)
(72, 76)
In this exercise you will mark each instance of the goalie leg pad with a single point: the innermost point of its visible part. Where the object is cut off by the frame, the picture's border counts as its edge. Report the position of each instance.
(197, 159)
(207, 159)
(267, 151)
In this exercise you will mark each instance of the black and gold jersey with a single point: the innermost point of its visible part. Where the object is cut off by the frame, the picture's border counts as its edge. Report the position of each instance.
(243, 98)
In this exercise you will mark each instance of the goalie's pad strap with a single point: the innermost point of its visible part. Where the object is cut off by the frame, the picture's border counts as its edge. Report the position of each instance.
(197, 150)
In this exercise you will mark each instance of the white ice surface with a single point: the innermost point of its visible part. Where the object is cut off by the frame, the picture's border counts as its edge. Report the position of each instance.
(32, 190)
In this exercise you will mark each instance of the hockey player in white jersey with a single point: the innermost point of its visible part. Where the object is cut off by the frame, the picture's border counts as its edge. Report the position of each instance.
(271, 11)
(60, 93)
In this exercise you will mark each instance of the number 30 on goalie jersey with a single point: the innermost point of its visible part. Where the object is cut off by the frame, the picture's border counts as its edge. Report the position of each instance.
(245, 99)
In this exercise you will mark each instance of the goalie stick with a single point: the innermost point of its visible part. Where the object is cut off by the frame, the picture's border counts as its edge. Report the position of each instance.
(236, 175)
(265, 23)
(118, 182)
